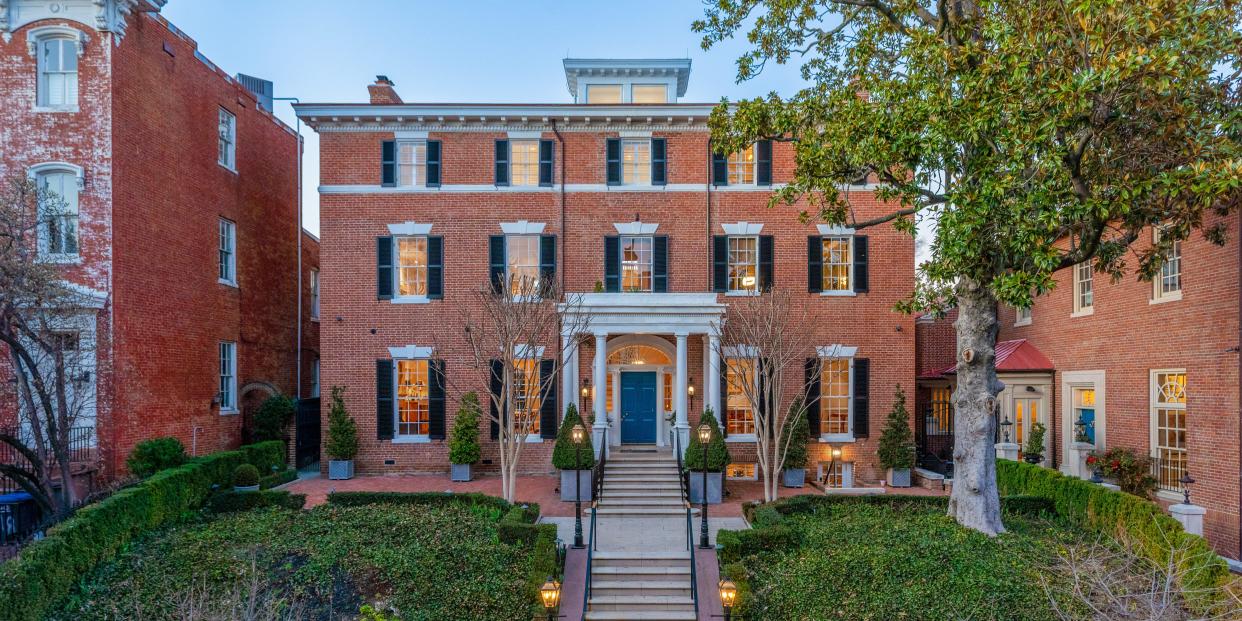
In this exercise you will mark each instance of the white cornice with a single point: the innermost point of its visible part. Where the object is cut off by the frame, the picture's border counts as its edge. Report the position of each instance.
(409, 228)
(742, 228)
(635, 228)
(102, 15)
(522, 227)
(627, 68)
(500, 117)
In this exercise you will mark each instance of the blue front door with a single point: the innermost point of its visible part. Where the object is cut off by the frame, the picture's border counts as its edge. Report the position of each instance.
(638, 407)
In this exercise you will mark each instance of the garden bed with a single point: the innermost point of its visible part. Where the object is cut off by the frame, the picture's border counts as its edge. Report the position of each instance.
(450, 560)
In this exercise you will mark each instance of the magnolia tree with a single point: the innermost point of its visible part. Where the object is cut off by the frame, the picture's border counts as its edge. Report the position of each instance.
(766, 343)
(505, 328)
(50, 365)
(1037, 135)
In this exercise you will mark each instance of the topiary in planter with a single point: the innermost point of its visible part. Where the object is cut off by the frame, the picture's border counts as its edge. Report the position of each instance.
(342, 442)
(151, 456)
(563, 453)
(717, 450)
(1034, 450)
(272, 418)
(464, 443)
(896, 450)
(246, 476)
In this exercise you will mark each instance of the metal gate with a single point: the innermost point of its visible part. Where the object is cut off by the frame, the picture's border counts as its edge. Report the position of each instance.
(933, 436)
(308, 427)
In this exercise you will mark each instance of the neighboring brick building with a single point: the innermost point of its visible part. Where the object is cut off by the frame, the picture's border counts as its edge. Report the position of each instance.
(1149, 366)
(436, 199)
(186, 229)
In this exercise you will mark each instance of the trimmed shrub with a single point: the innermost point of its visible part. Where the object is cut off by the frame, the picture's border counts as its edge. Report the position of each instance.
(154, 455)
(232, 502)
(563, 452)
(342, 444)
(765, 515)
(1035, 443)
(265, 456)
(897, 442)
(357, 499)
(464, 443)
(1123, 516)
(272, 417)
(717, 451)
(245, 475)
(278, 478)
(1129, 468)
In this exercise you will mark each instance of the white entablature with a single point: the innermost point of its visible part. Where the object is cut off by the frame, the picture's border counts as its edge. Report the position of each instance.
(102, 15)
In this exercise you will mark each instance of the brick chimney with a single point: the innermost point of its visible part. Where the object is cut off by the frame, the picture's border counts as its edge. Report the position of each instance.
(383, 91)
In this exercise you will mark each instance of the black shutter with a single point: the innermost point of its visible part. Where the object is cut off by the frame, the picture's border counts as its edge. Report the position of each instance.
(496, 259)
(502, 162)
(763, 162)
(659, 161)
(814, 264)
(612, 263)
(433, 163)
(659, 263)
(720, 263)
(861, 279)
(546, 150)
(547, 262)
(763, 381)
(612, 156)
(722, 409)
(862, 397)
(812, 395)
(720, 168)
(548, 418)
(767, 249)
(496, 385)
(435, 267)
(384, 412)
(383, 268)
(435, 402)
(388, 163)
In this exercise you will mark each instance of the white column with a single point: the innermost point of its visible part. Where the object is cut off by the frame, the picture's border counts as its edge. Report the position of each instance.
(713, 373)
(599, 383)
(569, 371)
(679, 388)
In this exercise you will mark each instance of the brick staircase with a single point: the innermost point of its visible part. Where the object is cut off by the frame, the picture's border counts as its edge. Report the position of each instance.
(641, 571)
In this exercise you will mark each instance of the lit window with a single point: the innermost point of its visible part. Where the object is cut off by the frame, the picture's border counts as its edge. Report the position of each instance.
(411, 163)
(226, 154)
(1084, 415)
(649, 94)
(837, 474)
(527, 400)
(638, 354)
(603, 93)
(58, 73)
(742, 166)
(314, 291)
(411, 266)
(1169, 427)
(740, 471)
(1025, 415)
(635, 162)
(58, 204)
(524, 162)
(1168, 285)
(837, 263)
(834, 398)
(636, 263)
(413, 398)
(228, 377)
(739, 416)
(228, 252)
(608, 395)
(744, 264)
(668, 392)
(523, 268)
(940, 421)
(1084, 296)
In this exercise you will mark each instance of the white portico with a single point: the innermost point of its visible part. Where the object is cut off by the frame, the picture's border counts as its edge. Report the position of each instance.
(628, 327)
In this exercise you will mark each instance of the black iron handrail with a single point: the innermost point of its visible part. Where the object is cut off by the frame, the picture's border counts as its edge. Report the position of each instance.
(694, 578)
(597, 474)
(683, 476)
(586, 593)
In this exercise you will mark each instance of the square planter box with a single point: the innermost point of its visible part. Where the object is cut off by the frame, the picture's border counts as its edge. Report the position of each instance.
(461, 472)
(899, 477)
(715, 484)
(568, 487)
(793, 477)
(340, 470)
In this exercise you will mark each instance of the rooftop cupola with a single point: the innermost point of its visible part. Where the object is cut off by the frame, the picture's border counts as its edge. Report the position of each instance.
(627, 80)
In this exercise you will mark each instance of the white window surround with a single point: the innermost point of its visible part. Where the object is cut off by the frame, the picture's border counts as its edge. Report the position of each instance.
(634, 133)
(526, 352)
(1083, 379)
(1158, 296)
(314, 291)
(230, 262)
(836, 351)
(742, 228)
(229, 405)
(1153, 405)
(406, 229)
(410, 134)
(398, 354)
(37, 36)
(525, 135)
(744, 352)
(754, 467)
(522, 227)
(36, 171)
(636, 228)
(1081, 286)
(226, 138)
(826, 231)
(409, 228)
(846, 468)
(407, 352)
(830, 352)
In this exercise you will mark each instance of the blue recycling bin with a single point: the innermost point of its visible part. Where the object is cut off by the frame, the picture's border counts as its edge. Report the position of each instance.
(19, 516)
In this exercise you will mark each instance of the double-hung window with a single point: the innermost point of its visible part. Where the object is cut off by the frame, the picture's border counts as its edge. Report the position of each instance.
(743, 264)
(1168, 420)
(636, 270)
(739, 415)
(58, 204)
(314, 291)
(1084, 294)
(522, 270)
(228, 252)
(411, 163)
(835, 399)
(742, 166)
(226, 129)
(527, 397)
(413, 398)
(636, 162)
(227, 394)
(58, 73)
(838, 263)
(411, 266)
(1168, 284)
(524, 162)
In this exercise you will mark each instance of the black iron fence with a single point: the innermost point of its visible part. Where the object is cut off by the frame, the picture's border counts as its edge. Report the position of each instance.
(933, 436)
(1168, 470)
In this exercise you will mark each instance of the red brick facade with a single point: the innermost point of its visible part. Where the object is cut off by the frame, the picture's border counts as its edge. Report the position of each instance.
(355, 210)
(144, 134)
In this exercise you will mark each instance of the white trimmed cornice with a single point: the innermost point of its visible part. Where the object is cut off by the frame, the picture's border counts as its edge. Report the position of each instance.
(678, 68)
(411, 352)
(836, 351)
(103, 15)
(828, 229)
(409, 228)
(522, 227)
(504, 117)
(742, 228)
(635, 228)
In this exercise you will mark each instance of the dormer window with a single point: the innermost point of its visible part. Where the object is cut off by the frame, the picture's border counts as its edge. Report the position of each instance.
(649, 94)
(612, 81)
(603, 93)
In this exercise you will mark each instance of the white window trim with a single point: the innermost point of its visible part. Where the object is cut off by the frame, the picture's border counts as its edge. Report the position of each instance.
(233, 407)
(34, 37)
(315, 282)
(399, 354)
(231, 282)
(838, 293)
(650, 159)
(650, 263)
(758, 262)
(522, 227)
(1019, 320)
(410, 142)
(748, 352)
(231, 165)
(754, 166)
(33, 173)
(635, 229)
(1152, 400)
(512, 161)
(847, 473)
(397, 298)
(1157, 296)
(839, 351)
(524, 351)
(1082, 311)
(315, 388)
(753, 477)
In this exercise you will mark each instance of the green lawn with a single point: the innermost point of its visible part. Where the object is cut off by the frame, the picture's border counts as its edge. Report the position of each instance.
(441, 563)
(857, 560)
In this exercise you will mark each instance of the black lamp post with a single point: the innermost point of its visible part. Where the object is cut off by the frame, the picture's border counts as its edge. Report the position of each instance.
(550, 593)
(579, 435)
(1186, 481)
(728, 596)
(1005, 425)
(705, 438)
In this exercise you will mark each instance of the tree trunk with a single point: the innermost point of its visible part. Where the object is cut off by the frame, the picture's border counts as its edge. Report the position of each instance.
(975, 502)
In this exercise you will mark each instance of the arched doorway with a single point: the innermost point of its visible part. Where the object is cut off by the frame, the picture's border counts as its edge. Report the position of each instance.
(639, 387)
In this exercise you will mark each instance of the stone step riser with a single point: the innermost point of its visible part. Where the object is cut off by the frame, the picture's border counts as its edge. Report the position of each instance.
(637, 589)
(641, 574)
(649, 563)
(611, 615)
(637, 605)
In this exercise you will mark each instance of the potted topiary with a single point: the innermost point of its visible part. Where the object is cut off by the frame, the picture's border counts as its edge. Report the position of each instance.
(246, 478)
(1034, 451)
(896, 450)
(717, 458)
(796, 433)
(464, 445)
(574, 461)
(342, 443)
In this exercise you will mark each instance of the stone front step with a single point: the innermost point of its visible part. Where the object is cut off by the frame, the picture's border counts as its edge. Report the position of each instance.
(640, 500)
(676, 558)
(639, 615)
(632, 588)
(614, 573)
(642, 472)
(619, 484)
(644, 512)
(654, 603)
(656, 478)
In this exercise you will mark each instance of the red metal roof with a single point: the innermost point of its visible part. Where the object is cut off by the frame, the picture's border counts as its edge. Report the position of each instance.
(1013, 356)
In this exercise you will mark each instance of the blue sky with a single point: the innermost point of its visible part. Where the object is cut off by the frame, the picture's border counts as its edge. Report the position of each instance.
(463, 51)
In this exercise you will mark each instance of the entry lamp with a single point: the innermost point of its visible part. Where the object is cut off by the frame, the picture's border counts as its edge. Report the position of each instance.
(728, 593)
(1186, 482)
(836, 453)
(705, 433)
(550, 593)
(1005, 425)
(578, 433)
(690, 389)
